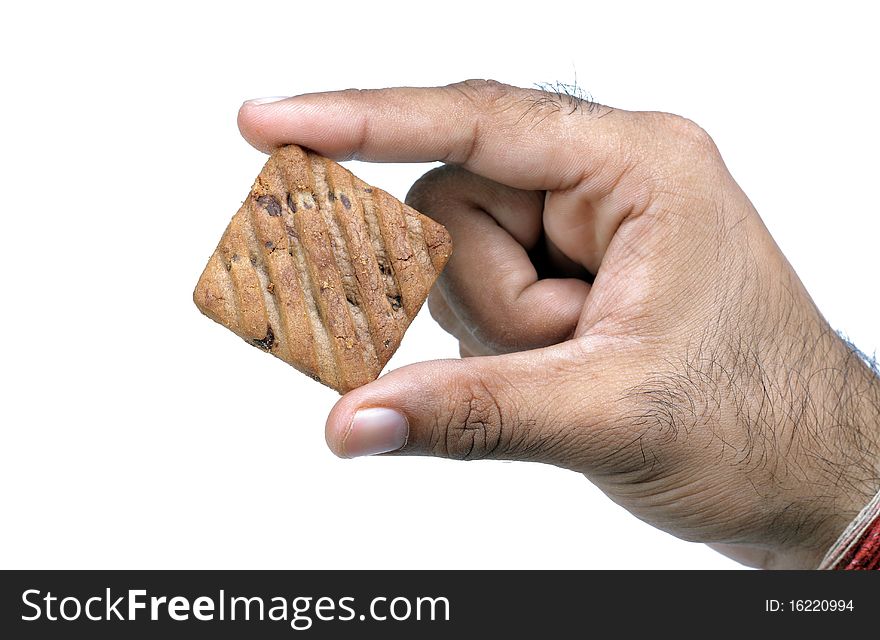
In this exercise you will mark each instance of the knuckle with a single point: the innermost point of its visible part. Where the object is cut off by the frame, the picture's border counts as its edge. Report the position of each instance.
(443, 315)
(498, 339)
(483, 103)
(432, 185)
(437, 307)
(353, 92)
(678, 158)
(482, 93)
(475, 424)
(688, 132)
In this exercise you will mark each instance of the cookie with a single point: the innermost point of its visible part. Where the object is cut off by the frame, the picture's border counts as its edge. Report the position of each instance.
(321, 269)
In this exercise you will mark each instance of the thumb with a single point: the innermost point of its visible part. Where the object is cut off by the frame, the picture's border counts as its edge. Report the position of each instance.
(527, 405)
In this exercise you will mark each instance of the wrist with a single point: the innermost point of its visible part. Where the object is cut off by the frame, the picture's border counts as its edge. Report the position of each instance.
(858, 547)
(815, 404)
(858, 423)
(839, 445)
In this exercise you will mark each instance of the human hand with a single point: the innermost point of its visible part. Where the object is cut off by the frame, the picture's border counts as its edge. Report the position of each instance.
(692, 378)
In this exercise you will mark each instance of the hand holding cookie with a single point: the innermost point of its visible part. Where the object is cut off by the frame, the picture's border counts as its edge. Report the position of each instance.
(628, 314)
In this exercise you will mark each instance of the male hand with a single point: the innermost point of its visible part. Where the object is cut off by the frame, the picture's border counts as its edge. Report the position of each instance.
(621, 310)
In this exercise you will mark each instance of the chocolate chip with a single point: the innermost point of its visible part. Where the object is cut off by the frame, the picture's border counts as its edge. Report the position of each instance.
(270, 244)
(253, 260)
(331, 197)
(290, 203)
(234, 258)
(345, 201)
(395, 303)
(266, 343)
(270, 204)
(367, 190)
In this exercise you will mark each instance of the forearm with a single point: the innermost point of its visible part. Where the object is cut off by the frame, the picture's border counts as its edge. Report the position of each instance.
(808, 407)
(820, 414)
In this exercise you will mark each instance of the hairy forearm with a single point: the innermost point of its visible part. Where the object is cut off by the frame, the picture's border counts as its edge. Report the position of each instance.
(813, 424)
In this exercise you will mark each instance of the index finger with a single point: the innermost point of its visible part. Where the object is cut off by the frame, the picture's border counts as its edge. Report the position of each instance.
(523, 138)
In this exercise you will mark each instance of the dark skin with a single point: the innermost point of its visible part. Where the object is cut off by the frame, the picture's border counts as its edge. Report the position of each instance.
(668, 350)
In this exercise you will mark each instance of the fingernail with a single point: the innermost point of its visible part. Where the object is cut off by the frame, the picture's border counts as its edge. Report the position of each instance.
(375, 431)
(258, 101)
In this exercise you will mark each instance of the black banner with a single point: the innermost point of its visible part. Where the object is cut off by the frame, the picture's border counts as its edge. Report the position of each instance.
(427, 604)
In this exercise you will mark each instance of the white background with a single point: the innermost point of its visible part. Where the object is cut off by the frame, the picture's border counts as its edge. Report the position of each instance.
(137, 433)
